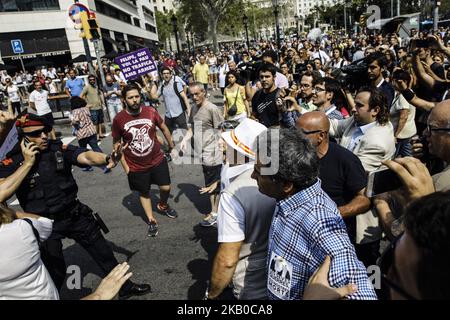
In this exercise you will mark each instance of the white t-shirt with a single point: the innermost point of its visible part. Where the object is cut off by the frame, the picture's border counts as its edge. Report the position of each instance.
(400, 103)
(223, 70)
(23, 275)
(13, 93)
(281, 81)
(231, 215)
(40, 100)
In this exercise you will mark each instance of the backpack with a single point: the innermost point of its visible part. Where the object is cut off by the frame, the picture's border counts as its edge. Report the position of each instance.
(183, 105)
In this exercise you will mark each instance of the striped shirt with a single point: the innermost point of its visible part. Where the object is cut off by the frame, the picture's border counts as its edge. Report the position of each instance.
(86, 127)
(305, 229)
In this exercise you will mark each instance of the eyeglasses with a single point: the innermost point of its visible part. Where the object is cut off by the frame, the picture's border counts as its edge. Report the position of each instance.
(38, 133)
(312, 132)
(430, 129)
(386, 261)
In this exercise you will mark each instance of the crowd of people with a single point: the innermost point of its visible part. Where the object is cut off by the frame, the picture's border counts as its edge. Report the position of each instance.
(329, 157)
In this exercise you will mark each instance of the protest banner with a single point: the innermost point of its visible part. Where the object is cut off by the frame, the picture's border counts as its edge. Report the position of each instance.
(136, 64)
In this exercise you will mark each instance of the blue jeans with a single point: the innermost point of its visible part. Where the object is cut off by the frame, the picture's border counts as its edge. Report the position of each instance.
(403, 148)
(114, 107)
(92, 142)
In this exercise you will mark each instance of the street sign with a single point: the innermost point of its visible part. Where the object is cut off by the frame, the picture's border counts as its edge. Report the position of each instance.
(75, 11)
(17, 46)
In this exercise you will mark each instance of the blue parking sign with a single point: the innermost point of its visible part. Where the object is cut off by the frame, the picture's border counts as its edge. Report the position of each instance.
(17, 46)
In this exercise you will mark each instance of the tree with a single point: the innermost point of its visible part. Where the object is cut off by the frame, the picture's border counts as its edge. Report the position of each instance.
(163, 24)
(209, 10)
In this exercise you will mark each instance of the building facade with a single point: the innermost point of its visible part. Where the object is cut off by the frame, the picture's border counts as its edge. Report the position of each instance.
(163, 5)
(46, 30)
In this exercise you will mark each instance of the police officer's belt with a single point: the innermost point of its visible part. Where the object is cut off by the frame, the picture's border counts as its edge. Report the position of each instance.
(71, 211)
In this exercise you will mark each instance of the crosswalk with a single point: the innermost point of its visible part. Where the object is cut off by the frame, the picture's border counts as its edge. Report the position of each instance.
(66, 141)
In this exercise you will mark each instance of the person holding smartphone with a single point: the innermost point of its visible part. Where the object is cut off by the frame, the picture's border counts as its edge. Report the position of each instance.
(41, 178)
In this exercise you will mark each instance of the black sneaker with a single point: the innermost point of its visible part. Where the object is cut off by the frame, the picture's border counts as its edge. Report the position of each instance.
(168, 157)
(171, 213)
(152, 230)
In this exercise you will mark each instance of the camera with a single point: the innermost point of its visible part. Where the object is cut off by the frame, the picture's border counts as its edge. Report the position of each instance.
(352, 76)
(249, 71)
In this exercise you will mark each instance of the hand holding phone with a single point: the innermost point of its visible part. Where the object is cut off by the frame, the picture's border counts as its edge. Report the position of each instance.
(381, 181)
(29, 151)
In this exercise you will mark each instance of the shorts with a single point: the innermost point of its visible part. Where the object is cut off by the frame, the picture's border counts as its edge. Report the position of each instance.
(48, 118)
(97, 116)
(142, 181)
(179, 122)
(213, 70)
(212, 174)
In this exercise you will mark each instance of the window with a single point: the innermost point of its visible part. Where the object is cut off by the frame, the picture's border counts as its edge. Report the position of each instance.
(148, 11)
(112, 12)
(150, 28)
(137, 22)
(28, 5)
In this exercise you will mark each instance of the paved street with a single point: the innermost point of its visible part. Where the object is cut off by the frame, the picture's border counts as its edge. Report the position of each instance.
(177, 262)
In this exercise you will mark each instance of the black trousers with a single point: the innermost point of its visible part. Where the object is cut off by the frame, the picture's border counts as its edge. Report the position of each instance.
(82, 228)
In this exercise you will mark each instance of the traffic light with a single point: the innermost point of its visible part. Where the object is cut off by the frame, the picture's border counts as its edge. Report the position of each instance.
(362, 20)
(91, 31)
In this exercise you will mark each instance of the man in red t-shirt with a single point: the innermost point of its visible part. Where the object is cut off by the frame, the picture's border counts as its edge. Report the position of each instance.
(143, 161)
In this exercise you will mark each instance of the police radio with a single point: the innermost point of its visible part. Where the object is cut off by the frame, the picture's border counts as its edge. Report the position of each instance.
(59, 161)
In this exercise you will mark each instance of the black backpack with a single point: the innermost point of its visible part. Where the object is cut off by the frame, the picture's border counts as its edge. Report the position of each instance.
(183, 105)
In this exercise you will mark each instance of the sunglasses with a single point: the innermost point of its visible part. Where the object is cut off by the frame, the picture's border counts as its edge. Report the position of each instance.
(311, 132)
(38, 133)
(430, 129)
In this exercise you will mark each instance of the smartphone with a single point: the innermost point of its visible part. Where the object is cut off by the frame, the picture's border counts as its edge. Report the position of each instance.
(381, 181)
(27, 141)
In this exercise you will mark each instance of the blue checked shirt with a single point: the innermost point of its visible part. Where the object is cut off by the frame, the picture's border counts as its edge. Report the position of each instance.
(306, 228)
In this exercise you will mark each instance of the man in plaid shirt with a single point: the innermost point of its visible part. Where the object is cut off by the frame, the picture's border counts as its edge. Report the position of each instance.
(307, 226)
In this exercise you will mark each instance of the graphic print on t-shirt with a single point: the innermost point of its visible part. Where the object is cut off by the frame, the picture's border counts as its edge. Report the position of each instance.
(279, 276)
(141, 144)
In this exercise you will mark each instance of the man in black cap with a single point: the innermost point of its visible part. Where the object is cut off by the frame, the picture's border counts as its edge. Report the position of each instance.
(39, 172)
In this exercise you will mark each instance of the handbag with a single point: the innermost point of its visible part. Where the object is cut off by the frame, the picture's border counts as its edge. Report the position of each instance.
(233, 109)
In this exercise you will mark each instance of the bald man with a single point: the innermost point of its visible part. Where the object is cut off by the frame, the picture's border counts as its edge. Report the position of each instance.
(343, 176)
(438, 137)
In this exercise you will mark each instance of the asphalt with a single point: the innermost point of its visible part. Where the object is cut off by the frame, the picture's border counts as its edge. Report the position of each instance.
(177, 263)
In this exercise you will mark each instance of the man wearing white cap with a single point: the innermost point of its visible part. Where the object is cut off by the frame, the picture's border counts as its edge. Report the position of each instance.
(243, 221)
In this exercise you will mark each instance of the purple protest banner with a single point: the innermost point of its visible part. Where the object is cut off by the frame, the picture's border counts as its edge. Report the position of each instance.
(136, 63)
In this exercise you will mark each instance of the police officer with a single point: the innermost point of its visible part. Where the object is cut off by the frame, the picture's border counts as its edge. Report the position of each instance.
(39, 172)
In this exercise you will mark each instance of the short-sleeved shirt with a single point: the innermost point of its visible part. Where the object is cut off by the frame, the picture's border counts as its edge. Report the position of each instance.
(201, 73)
(265, 108)
(13, 93)
(342, 174)
(86, 127)
(206, 143)
(112, 88)
(75, 86)
(23, 275)
(139, 132)
(40, 100)
(171, 99)
(92, 97)
(400, 103)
